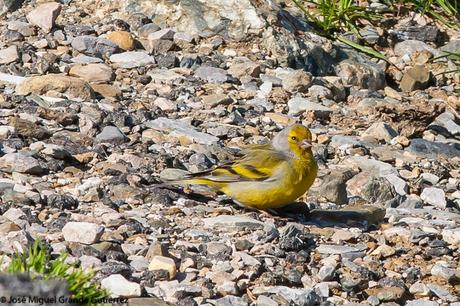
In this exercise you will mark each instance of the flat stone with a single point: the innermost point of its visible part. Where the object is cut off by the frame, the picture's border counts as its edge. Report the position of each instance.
(339, 249)
(434, 196)
(216, 99)
(373, 166)
(296, 296)
(181, 129)
(408, 47)
(211, 74)
(444, 271)
(446, 122)
(132, 59)
(9, 55)
(230, 300)
(92, 73)
(12, 79)
(19, 162)
(82, 232)
(70, 87)
(163, 263)
(298, 105)
(45, 15)
(421, 303)
(118, 286)
(432, 149)
(233, 222)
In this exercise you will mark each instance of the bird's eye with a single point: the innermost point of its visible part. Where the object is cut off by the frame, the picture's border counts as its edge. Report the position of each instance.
(294, 138)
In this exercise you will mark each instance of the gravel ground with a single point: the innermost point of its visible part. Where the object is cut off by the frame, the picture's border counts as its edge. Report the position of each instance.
(100, 101)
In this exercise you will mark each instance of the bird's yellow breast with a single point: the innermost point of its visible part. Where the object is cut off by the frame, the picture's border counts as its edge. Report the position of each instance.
(293, 180)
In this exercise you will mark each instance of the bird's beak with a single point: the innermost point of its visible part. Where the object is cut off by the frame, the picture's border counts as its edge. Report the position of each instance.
(305, 144)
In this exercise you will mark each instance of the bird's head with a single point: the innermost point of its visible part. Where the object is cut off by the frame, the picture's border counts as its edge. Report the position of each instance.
(294, 140)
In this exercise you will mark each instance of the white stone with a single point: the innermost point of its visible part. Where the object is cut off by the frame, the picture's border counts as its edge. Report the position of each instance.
(118, 286)
(132, 59)
(82, 232)
(434, 196)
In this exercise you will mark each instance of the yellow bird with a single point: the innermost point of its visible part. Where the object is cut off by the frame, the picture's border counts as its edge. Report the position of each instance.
(267, 176)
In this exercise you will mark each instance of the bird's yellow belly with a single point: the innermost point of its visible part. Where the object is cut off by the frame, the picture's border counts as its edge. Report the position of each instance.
(268, 195)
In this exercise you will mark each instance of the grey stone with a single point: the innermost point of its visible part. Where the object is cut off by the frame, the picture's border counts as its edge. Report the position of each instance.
(96, 46)
(298, 105)
(421, 303)
(111, 134)
(211, 74)
(446, 122)
(9, 5)
(432, 149)
(339, 249)
(23, 285)
(233, 222)
(179, 128)
(442, 293)
(408, 47)
(381, 131)
(297, 296)
(443, 271)
(20, 162)
(231, 300)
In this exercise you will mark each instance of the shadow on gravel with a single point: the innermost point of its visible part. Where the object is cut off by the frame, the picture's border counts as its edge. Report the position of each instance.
(352, 216)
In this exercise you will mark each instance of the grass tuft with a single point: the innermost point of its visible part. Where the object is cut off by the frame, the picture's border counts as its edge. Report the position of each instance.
(38, 263)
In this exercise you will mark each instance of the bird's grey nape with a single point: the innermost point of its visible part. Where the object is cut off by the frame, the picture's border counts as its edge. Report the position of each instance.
(280, 142)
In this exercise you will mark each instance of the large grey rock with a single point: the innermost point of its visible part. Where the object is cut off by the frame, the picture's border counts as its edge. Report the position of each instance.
(234, 17)
(20, 162)
(432, 149)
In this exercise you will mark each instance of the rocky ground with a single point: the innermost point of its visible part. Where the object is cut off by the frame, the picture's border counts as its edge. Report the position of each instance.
(101, 100)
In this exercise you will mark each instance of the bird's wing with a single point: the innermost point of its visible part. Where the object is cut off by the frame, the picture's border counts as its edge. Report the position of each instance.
(257, 165)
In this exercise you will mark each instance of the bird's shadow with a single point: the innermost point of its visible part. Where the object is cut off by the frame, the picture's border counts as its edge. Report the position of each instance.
(365, 217)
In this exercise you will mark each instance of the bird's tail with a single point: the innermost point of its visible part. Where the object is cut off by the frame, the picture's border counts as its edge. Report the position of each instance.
(196, 181)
